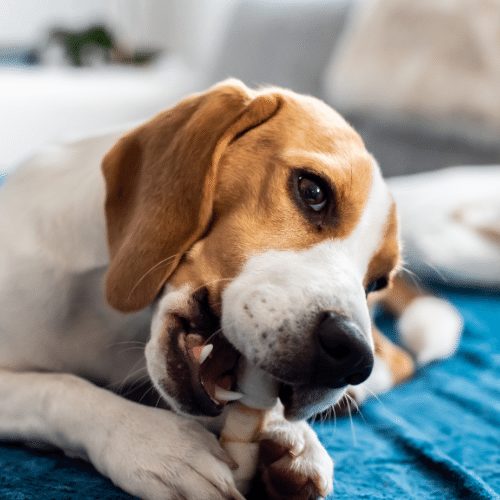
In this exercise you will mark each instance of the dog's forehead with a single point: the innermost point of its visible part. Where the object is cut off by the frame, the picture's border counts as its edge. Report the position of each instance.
(317, 123)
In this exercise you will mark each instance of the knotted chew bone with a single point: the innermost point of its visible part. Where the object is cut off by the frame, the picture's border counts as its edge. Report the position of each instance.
(245, 420)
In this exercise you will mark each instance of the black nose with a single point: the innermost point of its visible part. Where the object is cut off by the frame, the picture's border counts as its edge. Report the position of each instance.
(344, 355)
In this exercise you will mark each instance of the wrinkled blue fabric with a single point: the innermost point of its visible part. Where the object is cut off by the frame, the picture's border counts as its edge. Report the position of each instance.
(436, 436)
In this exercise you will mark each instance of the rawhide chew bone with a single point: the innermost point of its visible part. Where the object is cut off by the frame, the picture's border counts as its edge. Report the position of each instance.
(245, 421)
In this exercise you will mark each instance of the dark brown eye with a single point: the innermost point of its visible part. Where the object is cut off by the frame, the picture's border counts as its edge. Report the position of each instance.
(312, 192)
(377, 285)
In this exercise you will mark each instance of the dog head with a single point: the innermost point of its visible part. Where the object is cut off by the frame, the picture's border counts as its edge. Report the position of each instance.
(256, 223)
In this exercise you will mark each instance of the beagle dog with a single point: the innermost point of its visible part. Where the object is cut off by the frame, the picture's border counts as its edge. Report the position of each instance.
(238, 223)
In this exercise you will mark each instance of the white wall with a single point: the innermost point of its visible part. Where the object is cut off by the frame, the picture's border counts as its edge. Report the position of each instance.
(192, 27)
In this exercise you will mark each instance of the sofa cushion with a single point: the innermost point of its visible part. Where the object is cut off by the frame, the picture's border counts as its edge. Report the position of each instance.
(286, 43)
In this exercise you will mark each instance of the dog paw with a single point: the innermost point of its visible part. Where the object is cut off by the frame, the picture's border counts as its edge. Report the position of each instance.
(430, 328)
(293, 463)
(154, 454)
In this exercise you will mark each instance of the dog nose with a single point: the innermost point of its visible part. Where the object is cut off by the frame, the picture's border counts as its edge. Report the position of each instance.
(344, 355)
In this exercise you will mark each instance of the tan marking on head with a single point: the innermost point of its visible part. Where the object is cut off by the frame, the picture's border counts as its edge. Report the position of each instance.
(254, 209)
(224, 156)
(386, 259)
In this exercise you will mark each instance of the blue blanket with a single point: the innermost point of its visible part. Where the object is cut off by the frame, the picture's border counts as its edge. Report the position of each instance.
(437, 436)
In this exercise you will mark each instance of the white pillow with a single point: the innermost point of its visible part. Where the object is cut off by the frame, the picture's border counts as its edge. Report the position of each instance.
(436, 60)
(450, 224)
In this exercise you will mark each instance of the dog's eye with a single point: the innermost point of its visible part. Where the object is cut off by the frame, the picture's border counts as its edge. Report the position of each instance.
(312, 192)
(377, 284)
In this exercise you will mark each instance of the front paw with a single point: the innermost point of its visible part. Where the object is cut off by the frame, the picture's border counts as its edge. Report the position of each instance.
(155, 454)
(293, 463)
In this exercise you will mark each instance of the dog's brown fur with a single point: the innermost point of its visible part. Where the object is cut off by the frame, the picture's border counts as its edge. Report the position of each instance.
(159, 174)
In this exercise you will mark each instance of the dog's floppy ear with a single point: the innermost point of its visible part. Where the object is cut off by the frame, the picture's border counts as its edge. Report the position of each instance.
(160, 181)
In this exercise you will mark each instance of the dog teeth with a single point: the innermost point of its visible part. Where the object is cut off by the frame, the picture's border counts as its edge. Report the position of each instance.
(224, 395)
(205, 352)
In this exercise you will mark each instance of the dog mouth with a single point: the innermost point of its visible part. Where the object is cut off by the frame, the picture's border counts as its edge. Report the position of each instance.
(213, 370)
(211, 364)
(213, 376)
(205, 364)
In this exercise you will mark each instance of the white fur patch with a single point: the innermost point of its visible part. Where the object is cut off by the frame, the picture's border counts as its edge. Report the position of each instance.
(430, 328)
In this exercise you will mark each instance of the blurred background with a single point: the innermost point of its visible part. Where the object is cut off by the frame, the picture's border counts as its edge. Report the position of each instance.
(419, 80)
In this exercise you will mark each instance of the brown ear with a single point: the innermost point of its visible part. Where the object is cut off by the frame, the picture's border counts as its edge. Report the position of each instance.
(160, 182)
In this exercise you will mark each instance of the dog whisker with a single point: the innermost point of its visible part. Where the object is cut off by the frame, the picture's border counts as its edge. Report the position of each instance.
(377, 398)
(156, 266)
(334, 419)
(139, 383)
(313, 418)
(123, 384)
(146, 393)
(211, 337)
(132, 348)
(211, 283)
(434, 268)
(358, 409)
(125, 342)
(158, 401)
(417, 282)
(131, 374)
(353, 434)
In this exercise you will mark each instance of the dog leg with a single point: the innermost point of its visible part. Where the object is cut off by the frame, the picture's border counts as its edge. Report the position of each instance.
(148, 452)
(429, 327)
(294, 465)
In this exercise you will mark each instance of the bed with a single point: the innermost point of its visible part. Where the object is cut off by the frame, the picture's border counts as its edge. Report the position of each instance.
(437, 436)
